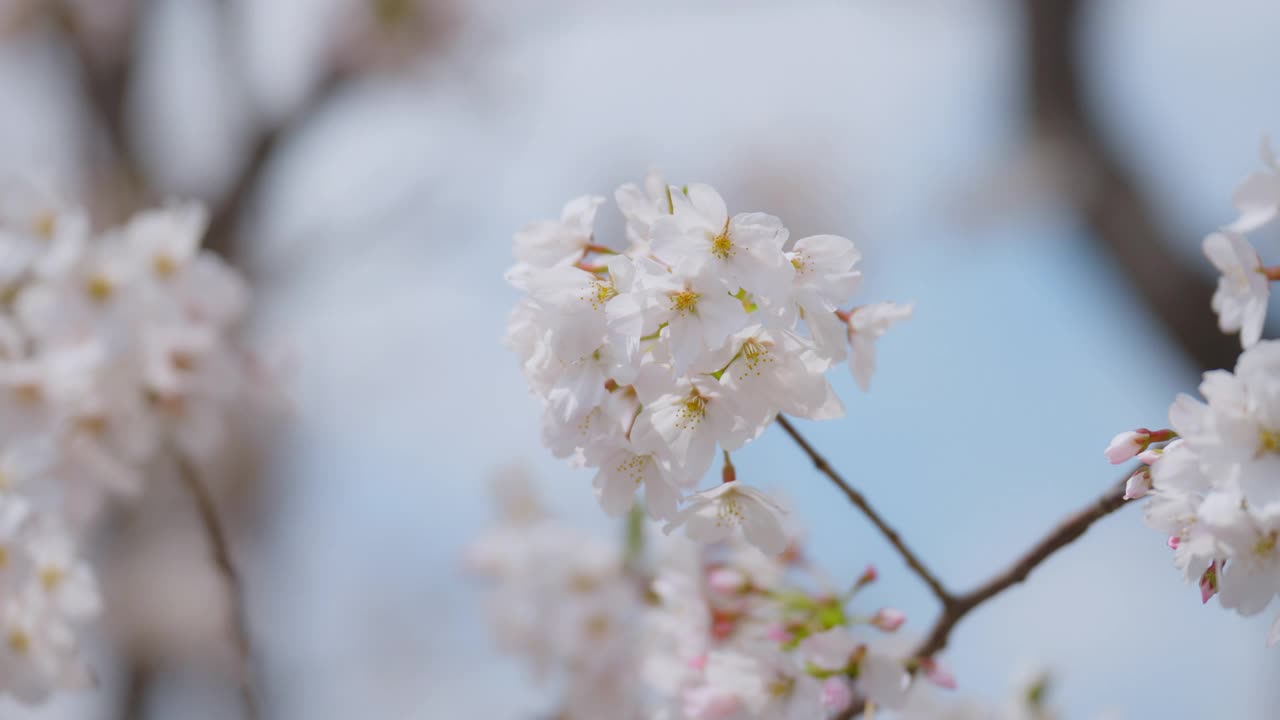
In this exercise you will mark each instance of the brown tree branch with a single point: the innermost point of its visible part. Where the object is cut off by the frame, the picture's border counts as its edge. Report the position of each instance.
(1104, 191)
(222, 236)
(860, 501)
(1064, 534)
(220, 548)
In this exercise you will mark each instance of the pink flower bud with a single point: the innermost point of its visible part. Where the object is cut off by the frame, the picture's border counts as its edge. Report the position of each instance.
(1174, 542)
(937, 674)
(837, 696)
(889, 619)
(1209, 583)
(779, 634)
(1126, 445)
(726, 580)
(868, 576)
(698, 662)
(1139, 484)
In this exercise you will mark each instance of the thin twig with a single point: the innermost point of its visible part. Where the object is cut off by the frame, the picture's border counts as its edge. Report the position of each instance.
(220, 548)
(860, 501)
(1064, 534)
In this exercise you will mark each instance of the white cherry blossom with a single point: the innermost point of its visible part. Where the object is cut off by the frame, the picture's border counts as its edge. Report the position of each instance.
(1243, 289)
(868, 324)
(715, 514)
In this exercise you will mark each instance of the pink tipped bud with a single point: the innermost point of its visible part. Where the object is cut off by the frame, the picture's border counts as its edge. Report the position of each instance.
(1209, 583)
(837, 696)
(889, 619)
(1138, 485)
(937, 674)
(1174, 542)
(726, 581)
(779, 634)
(868, 576)
(1127, 445)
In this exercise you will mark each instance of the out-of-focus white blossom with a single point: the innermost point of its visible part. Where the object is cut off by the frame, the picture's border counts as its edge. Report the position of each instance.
(685, 337)
(118, 354)
(1243, 289)
(678, 630)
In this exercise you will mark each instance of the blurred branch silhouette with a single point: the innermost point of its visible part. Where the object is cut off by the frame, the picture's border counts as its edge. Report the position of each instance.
(1104, 191)
(220, 550)
(118, 174)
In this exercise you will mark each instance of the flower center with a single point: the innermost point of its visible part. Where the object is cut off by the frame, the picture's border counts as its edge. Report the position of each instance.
(634, 467)
(1266, 544)
(164, 265)
(51, 578)
(45, 225)
(19, 642)
(782, 686)
(729, 513)
(754, 354)
(721, 245)
(99, 288)
(1270, 441)
(693, 409)
(685, 301)
(600, 292)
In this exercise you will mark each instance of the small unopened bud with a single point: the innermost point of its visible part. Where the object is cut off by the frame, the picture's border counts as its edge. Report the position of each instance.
(837, 696)
(778, 633)
(726, 580)
(889, 619)
(938, 674)
(1127, 445)
(728, 474)
(1174, 542)
(1209, 583)
(1138, 485)
(868, 576)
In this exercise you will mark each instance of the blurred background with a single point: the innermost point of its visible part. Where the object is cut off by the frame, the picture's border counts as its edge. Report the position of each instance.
(1036, 176)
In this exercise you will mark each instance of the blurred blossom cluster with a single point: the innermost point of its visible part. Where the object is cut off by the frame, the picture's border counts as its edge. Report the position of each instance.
(692, 334)
(119, 360)
(702, 632)
(1214, 475)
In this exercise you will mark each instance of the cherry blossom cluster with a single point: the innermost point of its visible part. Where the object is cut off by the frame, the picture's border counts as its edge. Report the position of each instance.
(117, 355)
(1213, 477)
(692, 335)
(688, 631)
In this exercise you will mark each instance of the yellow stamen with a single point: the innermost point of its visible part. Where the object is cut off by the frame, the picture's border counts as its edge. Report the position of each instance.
(100, 288)
(45, 225)
(164, 265)
(685, 301)
(1270, 441)
(721, 246)
(1266, 544)
(19, 642)
(51, 578)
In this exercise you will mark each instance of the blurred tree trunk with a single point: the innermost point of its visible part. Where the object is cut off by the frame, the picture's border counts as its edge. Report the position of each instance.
(1115, 210)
